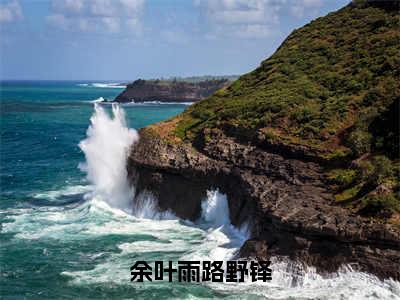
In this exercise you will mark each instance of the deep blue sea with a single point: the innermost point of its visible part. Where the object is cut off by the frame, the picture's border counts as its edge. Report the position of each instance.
(62, 237)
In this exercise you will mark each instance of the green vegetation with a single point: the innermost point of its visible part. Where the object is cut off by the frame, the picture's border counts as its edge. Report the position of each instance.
(332, 87)
(371, 186)
(349, 194)
(384, 205)
(196, 79)
(209, 84)
(343, 177)
(325, 84)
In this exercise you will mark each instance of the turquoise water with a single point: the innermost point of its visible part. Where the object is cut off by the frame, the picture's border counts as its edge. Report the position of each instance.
(58, 241)
(41, 126)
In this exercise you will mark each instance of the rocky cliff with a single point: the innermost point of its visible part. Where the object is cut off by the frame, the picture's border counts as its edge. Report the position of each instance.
(169, 90)
(305, 147)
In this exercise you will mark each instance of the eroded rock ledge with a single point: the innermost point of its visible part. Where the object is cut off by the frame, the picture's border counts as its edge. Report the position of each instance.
(286, 201)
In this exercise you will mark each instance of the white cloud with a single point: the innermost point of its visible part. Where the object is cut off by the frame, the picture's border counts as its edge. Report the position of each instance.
(74, 24)
(132, 7)
(102, 8)
(97, 15)
(299, 8)
(68, 6)
(99, 8)
(241, 18)
(251, 18)
(242, 11)
(10, 12)
(112, 24)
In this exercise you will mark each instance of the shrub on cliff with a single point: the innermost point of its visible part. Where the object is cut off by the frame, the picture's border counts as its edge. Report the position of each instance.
(377, 170)
(381, 205)
(330, 89)
(337, 73)
(360, 142)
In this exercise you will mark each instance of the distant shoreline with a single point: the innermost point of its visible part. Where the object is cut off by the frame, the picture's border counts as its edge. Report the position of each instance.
(181, 90)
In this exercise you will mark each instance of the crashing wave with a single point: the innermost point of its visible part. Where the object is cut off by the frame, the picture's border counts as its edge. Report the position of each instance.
(149, 237)
(98, 100)
(111, 85)
(106, 151)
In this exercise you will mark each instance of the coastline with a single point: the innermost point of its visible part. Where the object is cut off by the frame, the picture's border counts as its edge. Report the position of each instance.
(290, 210)
(305, 147)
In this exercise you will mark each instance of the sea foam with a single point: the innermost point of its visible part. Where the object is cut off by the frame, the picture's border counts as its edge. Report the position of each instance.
(149, 237)
(111, 85)
(98, 100)
(106, 150)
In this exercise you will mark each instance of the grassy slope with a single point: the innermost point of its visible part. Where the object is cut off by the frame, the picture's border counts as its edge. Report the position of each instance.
(332, 86)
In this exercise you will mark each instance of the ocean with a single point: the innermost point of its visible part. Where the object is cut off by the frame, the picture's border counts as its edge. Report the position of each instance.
(69, 229)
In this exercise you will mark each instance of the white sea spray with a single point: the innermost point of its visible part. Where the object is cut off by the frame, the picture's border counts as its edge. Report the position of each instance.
(106, 150)
(144, 232)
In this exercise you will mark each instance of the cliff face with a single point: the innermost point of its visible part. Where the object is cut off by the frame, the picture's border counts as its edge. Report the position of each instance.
(286, 202)
(169, 91)
(307, 155)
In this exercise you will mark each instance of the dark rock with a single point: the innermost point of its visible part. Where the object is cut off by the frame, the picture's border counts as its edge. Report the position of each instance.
(254, 249)
(169, 91)
(275, 181)
(285, 200)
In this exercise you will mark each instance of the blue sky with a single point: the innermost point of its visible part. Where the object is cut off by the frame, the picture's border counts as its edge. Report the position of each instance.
(129, 39)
